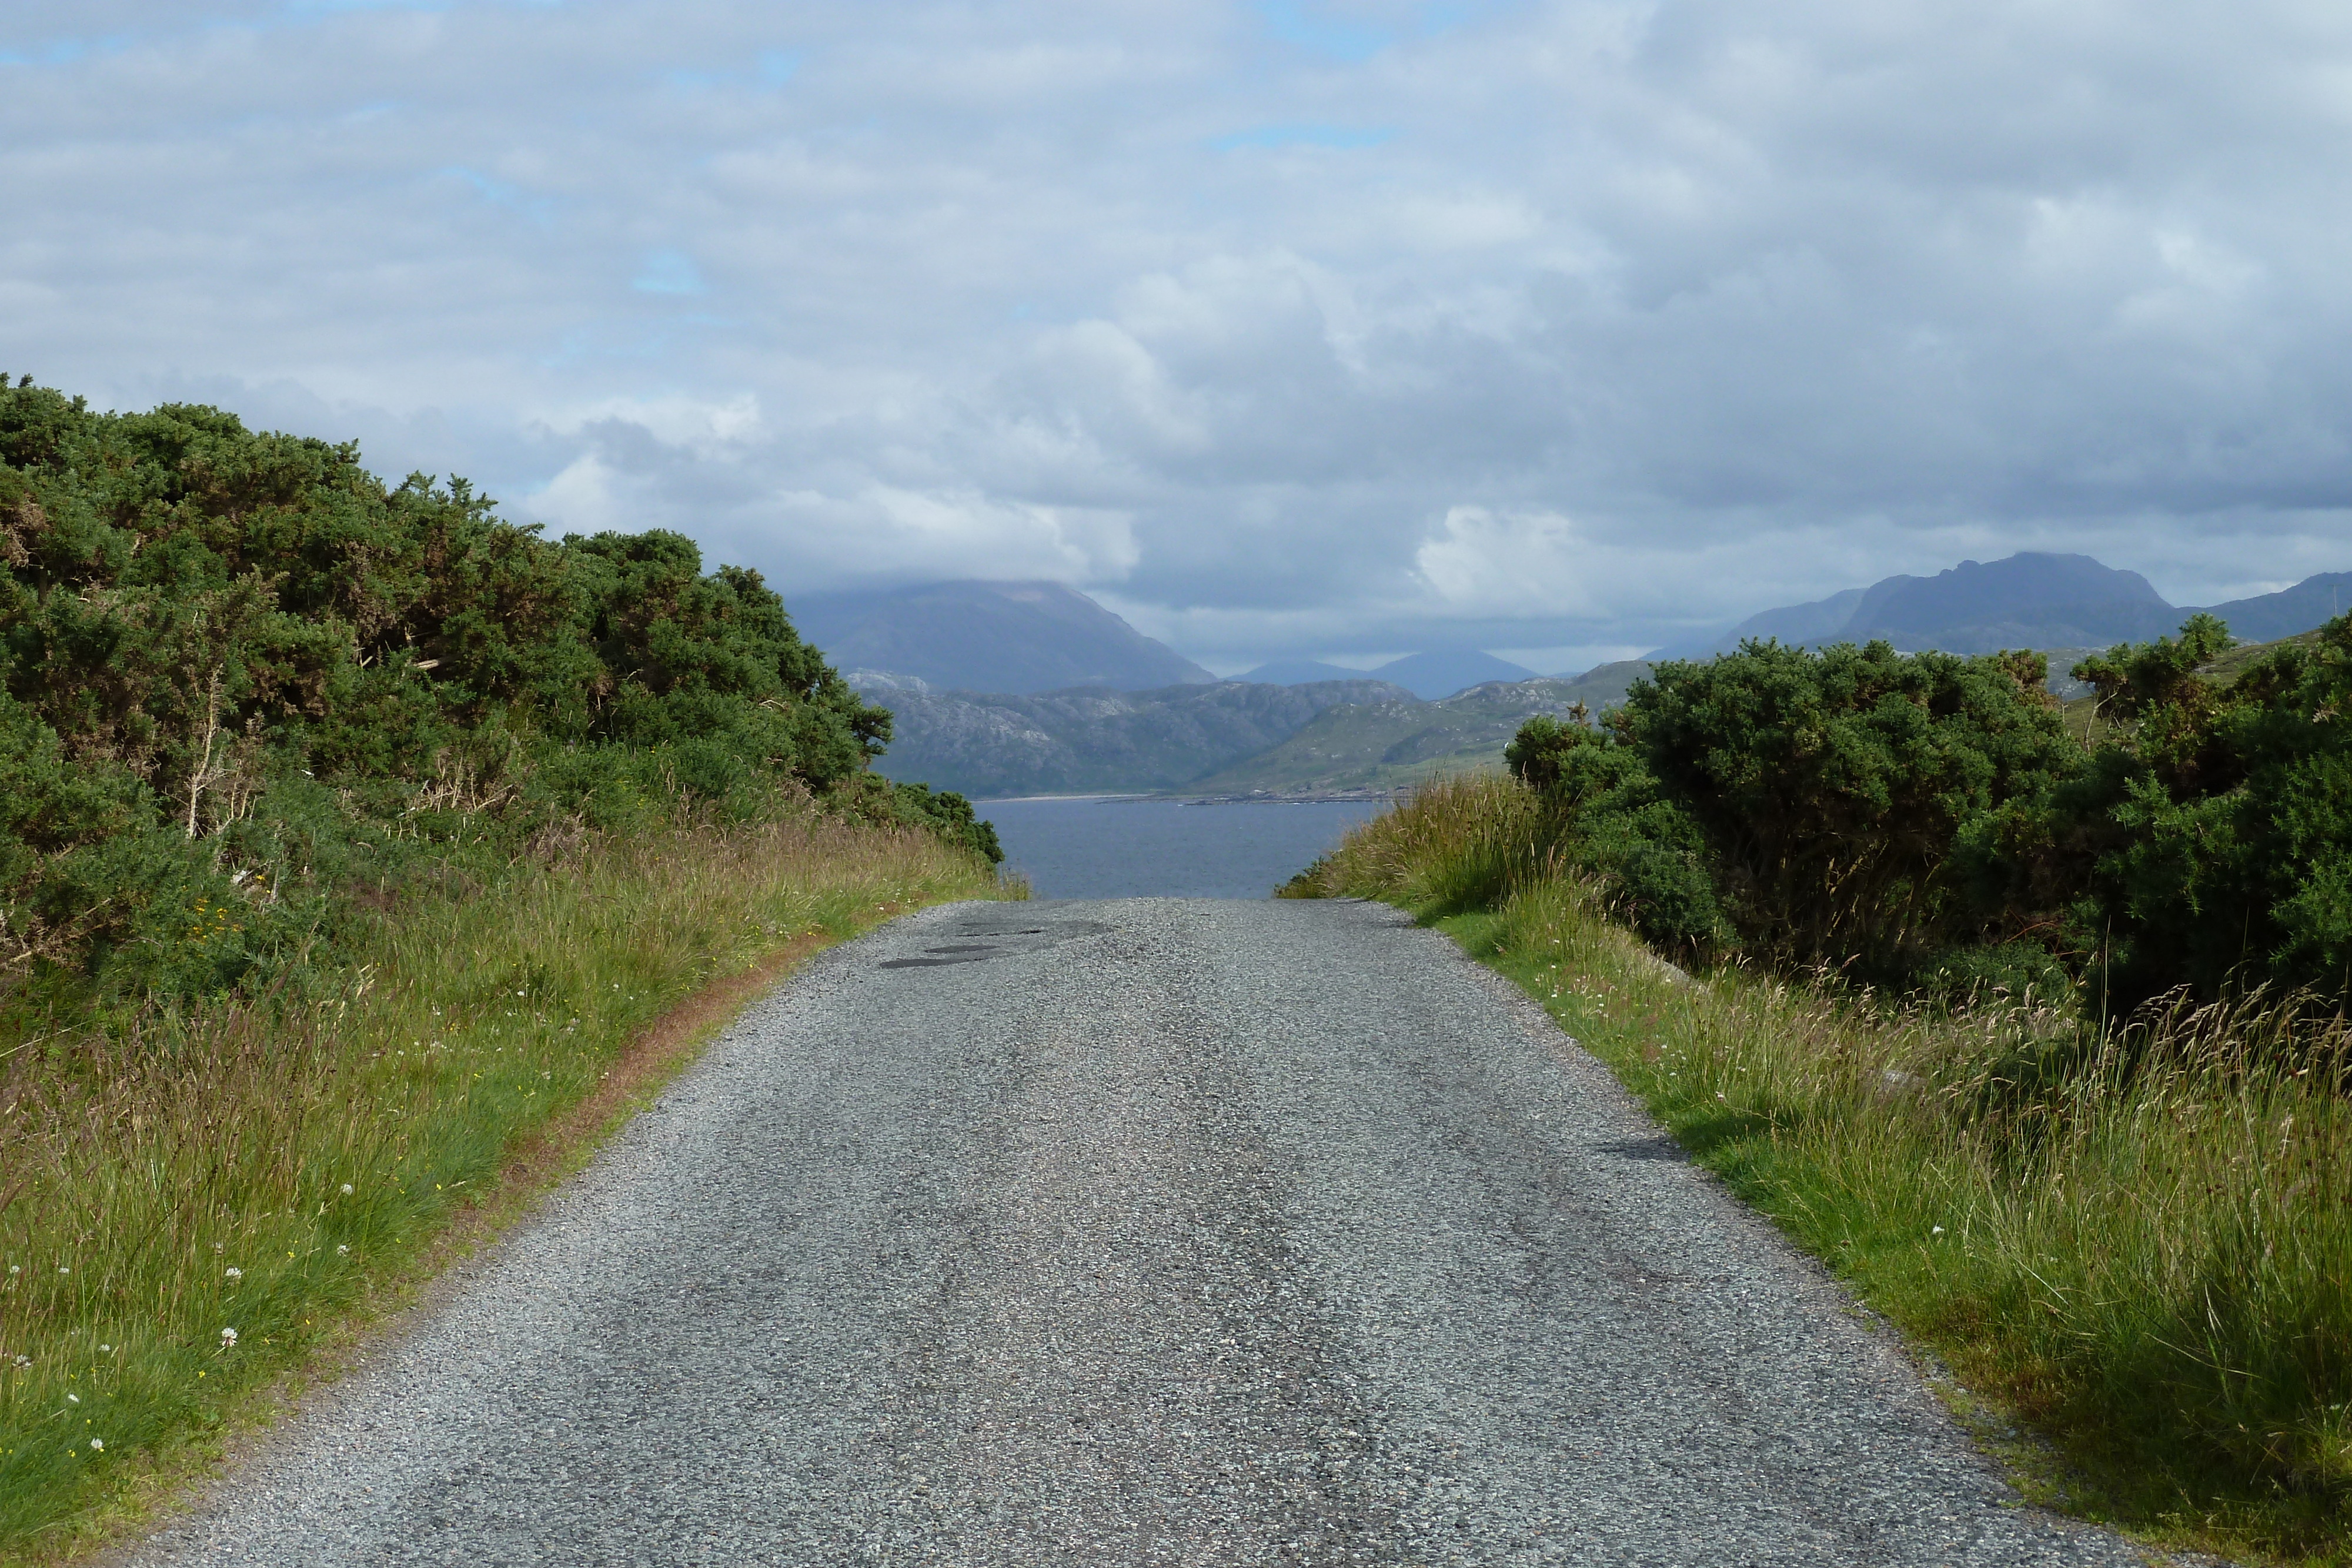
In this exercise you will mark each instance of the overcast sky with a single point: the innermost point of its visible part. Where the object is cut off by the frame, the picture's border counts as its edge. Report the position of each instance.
(1343, 327)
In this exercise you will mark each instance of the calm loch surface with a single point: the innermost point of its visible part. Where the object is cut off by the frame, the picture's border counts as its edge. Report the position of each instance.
(1106, 847)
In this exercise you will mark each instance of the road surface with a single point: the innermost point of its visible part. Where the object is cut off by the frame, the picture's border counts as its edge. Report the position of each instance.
(1148, 1231)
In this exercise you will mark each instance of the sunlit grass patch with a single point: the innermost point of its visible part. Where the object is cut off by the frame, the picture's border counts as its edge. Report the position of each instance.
(2136, 1242)
(188, 1204)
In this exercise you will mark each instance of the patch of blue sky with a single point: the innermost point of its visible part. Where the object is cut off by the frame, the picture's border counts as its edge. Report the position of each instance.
(1449, 15)
(63, 51)
(313, 7)
(613, 343)
(299, 12)
(1307, 135)
(668, 272)
(771, 69)
(498, 193)
(1306, 28)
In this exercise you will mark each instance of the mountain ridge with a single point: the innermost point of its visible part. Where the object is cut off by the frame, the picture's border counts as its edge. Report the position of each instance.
(1014, 637)
(1094, 740)
(2031, 599)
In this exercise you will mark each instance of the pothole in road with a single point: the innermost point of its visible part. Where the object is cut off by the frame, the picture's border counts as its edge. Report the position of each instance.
(982, 942)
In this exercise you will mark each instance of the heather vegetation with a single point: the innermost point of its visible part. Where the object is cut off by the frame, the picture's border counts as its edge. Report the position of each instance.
(247, 690)
(2031, 1025)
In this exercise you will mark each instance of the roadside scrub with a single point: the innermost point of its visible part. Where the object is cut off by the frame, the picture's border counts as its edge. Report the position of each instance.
(196, 1201)
(2130, 1241)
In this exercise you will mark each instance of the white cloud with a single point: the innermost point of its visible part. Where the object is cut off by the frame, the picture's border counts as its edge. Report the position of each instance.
(1293, 328)
(1506, 565)
(959, 534)
(588, 498)
(708, 427)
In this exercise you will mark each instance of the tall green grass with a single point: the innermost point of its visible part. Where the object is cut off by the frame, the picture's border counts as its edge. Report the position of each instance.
(2134, 1244)
(189, 1204)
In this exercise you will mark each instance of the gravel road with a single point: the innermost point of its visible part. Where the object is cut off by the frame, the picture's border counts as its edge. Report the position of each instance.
(1148, 1231)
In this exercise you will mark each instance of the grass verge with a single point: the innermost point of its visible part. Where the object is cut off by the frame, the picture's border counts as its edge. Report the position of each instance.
(2133, 1250)
(192, 1210)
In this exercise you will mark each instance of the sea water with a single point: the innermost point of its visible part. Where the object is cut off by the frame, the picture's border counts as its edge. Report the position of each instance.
(1109, 847)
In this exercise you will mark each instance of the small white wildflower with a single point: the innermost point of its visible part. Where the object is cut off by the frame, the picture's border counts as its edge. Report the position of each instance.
(347, 1189)
(63, 1269)
(106, 1350)
(98, 1443)
(234, 1273)
(342, 1251)
(73, 1398)
(228, 1338)
(1938, 1231)
(15, 1267)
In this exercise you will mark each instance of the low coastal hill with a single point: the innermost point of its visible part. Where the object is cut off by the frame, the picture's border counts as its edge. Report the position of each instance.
(1377, 747)
(1089, 741)
(1236, 738)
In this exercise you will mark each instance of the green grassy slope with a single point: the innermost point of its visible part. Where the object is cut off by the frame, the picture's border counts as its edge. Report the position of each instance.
(1374, 747)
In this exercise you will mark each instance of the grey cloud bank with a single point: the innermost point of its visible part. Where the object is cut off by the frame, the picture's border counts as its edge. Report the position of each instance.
(1281, 328)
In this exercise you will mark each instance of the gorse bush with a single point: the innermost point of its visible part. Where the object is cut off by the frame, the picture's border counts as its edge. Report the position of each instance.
(242, 682)
(1928, 821)
(2209, 840)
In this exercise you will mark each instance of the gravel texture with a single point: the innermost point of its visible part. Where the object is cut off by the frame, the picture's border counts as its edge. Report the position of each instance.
(1147, 1231)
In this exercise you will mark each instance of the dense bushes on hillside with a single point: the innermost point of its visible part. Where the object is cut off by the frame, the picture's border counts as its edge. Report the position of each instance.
(1928, 819)
(242, 680)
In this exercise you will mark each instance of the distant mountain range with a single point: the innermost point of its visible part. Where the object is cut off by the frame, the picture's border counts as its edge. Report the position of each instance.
(1376, 746)
(1425, 675)
(2026, 600)
(1028, 688)
(1012, 637)
(1080, 742)
(1232, 738)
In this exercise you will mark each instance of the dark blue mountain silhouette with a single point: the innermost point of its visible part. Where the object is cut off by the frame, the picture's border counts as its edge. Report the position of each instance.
(1009, 637)
(2031, 599)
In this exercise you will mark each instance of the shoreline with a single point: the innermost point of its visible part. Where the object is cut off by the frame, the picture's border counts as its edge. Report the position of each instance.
(1179, 798)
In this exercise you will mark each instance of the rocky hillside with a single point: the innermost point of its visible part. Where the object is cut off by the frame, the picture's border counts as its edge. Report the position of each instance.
(1374, 747)
(1093, 741)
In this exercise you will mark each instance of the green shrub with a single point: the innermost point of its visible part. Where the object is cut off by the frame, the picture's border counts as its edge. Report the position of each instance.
(242, 682)
(1926, 822)
(1835, 791)
(2210, 843)
(1607, 817)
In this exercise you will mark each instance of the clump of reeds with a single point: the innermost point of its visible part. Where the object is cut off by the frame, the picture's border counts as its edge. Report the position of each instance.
(1454, 843)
